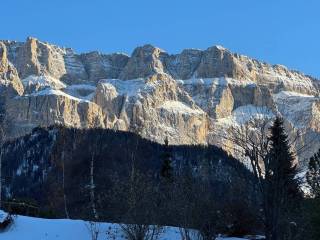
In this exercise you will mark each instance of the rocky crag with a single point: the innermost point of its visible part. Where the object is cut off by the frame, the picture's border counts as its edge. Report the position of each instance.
(190, 98)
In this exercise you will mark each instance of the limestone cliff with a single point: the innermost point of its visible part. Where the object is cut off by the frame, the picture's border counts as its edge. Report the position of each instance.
(190, 98)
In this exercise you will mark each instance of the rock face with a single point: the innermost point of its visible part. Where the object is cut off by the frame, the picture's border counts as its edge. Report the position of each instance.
(145, 61)
(99, 66)
(10, 84)
(189, 98)
(49, 107)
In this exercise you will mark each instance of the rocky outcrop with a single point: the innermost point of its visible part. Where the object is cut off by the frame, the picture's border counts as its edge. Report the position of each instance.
(154, 107)
(182, 66)
(190, 98)
(10, 84)
(51, 108)
(217, 62)
(144, 62)
(35, 58)
(100, 66)
(3, 58)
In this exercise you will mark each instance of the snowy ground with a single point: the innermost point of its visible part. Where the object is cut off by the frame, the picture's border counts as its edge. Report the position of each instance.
(28, 228)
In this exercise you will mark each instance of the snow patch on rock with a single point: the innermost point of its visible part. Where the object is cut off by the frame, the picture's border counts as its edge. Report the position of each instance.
(48, 92)
(295, 107)
(244, 114)
(81, 91)
(179, 107)
(130, 88)
(43, 81)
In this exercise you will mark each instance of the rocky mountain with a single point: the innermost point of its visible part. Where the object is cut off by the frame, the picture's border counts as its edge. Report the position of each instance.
(193, 97)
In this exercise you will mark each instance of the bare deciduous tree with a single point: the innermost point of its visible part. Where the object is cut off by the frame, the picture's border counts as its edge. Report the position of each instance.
(141, 231)
(138, 195)
(253, 141)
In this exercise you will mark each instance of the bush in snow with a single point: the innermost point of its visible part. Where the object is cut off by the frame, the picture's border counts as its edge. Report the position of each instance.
(6, 220)
(94, 229)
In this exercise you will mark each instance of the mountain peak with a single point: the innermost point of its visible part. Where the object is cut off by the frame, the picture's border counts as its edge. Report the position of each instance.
(147, 49)
(30, 38)
(151, 92)
(220, 47)
(145, 61)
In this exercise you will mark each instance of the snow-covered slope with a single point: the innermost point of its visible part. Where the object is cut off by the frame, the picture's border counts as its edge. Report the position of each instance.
(29, 228)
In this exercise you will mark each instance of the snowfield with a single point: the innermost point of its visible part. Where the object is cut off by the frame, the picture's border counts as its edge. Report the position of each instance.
(29, 228)
(50, 91)
(130, 88)
(43, 81)
(179, 107)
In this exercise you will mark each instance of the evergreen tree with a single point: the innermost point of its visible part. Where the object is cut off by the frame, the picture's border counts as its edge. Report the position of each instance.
(313, 174)
(313, 205)
(281, 184)
(166, 168)
(166, 186)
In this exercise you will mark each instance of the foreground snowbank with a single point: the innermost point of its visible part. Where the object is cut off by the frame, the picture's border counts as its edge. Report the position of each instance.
(28, 228)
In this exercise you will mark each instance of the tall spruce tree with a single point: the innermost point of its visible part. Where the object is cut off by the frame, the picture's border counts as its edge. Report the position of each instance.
(313, 174)
(166, 169)
(313, 204)
(167, 185)
(281, 185)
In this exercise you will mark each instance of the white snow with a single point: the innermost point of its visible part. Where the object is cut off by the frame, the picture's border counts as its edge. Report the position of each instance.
(204, 81)
(243, 114)
(286, 94)
(176, 106)
(29, 228)
(50, 91)
(290, 79)
(81, 91)
(295, 107)
(130, 88)
(125, 87)
(222, 81)
(47, 85)
(88, 87)
(3, 216)
(72, 63)
(220, 47)
(243, 83)
(42, 82)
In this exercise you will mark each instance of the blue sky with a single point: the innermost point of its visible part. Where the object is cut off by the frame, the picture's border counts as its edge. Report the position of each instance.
(277, 31)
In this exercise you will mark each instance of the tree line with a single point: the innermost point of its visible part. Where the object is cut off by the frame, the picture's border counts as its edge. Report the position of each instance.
(104, 175)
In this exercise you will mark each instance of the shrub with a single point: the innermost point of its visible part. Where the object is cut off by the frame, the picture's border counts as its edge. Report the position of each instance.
(5, 220)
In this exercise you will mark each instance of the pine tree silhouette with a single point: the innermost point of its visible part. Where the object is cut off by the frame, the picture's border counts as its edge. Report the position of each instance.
(166, 168)
(313, 174)
(282, 186)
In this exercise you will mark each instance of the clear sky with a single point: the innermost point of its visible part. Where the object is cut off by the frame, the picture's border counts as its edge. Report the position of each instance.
(277, 31)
